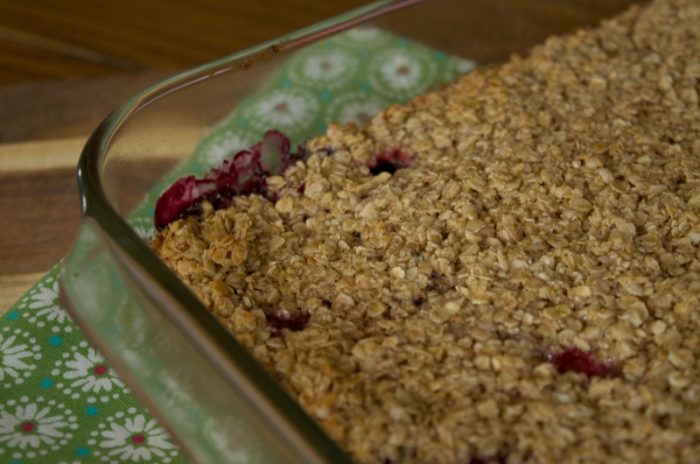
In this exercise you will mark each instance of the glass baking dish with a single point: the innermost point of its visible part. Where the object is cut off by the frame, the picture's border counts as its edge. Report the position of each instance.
(218, 403)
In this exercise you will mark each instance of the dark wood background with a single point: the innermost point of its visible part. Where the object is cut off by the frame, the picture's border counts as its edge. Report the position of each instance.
(65, 64)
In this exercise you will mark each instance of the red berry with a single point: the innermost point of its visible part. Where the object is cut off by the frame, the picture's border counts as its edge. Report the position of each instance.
(180, 198)
(573, 359)
(279, 320)
(245, 173)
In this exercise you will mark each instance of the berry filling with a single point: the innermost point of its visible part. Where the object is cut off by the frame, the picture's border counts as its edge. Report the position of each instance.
(583, 362)
(389, 161)
(279, 320)
(244, 174)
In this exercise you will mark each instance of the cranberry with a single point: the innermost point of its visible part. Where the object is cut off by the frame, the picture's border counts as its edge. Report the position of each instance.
(573, 359)
(245, 173)
(177, 202)
(389, 161)
(279, 320)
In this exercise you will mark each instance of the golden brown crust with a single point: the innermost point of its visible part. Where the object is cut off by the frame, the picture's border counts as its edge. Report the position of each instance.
(554, 202)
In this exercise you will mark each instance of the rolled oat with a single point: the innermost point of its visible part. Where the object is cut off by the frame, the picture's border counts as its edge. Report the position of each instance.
(504, 270)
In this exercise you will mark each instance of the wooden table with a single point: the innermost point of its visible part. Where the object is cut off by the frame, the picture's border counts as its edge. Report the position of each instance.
(65, 65)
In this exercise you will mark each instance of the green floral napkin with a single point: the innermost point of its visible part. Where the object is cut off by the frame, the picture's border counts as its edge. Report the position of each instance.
(60, 402)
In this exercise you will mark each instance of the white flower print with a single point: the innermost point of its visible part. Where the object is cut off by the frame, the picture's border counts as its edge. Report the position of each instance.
(144, 233)
(12, 356)
(361, 36)
(460, 65)
(284, 109)
(218, 432)
(90, 373)
(331, 68)
(176, 389)
(143, 226)
(44, 300)
(18, 353)
(400, 73)
(41, 306)
(33, 427)
(401, 69)
(357, 107)
(329, 65)
(84, 370)
(30, 426)
(132, 438)
(359, 112)
(224, 145)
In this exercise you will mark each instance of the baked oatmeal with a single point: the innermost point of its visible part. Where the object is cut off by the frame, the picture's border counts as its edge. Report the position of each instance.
(504, 270)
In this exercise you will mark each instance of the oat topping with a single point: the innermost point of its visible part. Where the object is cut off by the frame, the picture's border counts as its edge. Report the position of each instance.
(505, 270)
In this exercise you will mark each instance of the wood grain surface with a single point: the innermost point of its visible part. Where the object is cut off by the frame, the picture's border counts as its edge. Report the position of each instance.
(87, 38)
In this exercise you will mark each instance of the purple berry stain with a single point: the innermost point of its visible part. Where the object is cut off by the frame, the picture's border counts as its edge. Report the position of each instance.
(389, 161)
(245, 173)
(279, 320)
(498, 459)
(573, 359)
